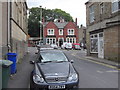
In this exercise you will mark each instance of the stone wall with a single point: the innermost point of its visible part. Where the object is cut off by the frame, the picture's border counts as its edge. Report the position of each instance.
(18, 41)
(111, 43)
(4, 30)
(0, 30)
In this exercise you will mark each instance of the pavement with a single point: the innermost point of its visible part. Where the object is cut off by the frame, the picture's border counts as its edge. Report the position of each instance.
(22, 78)
(105, 61)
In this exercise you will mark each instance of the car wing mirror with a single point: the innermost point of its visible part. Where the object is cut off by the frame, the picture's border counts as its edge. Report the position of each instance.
(72, 61)
(32, 62)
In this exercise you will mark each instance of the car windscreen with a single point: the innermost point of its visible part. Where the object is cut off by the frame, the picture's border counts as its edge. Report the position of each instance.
(53, 56)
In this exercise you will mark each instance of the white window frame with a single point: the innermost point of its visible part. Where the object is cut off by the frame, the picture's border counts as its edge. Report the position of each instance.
(101, 8)
(73, 40)
(51, 32)
(91, 13)
(115, 6)
(60, 31)
(70, 32)
(50, 39)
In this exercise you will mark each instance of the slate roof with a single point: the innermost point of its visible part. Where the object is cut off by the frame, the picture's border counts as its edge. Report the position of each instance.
(60, 25)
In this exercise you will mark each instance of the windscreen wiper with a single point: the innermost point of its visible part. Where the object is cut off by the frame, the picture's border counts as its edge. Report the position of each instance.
(47, 61)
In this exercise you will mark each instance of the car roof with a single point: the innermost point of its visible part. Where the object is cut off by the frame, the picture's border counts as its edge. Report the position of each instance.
(76, 43)
(51, 51)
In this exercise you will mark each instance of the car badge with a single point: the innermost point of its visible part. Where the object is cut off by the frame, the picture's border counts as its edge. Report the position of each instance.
(56, 79)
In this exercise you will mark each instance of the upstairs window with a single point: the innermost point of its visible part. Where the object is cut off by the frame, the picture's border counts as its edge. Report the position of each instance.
(101, 8)
(115, 6)
(50, 31)
(60, 31)
(70, 31)
(91, 12)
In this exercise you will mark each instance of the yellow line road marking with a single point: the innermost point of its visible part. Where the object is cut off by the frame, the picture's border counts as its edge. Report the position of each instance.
(112, 71)
(100, 63)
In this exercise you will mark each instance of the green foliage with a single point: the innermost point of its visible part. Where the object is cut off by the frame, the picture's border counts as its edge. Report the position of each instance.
(48, 14)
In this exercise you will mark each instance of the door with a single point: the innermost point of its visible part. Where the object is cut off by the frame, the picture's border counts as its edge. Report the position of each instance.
(60, 42)
(100, 46)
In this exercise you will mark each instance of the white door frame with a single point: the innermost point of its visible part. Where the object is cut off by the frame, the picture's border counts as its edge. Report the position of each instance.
(100, 46)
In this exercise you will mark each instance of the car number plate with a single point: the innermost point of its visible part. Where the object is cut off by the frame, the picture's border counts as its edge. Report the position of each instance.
(56, 87)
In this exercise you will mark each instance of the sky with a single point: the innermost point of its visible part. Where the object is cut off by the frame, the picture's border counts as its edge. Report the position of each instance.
(76, 8)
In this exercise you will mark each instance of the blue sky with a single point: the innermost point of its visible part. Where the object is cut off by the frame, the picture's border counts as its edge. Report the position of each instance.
(76, 8)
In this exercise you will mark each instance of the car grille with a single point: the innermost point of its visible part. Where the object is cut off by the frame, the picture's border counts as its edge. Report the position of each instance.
(56, 79)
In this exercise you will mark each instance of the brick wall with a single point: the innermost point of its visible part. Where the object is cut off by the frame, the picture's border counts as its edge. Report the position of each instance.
(70, 25)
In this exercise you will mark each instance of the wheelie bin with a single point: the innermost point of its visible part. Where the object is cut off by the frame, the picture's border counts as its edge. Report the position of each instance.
(5, 65)
(12, 57)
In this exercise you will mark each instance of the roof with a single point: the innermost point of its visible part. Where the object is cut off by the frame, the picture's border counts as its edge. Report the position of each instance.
(60, 25)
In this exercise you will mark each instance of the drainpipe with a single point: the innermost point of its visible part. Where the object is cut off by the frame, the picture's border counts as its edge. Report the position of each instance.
(9, 44)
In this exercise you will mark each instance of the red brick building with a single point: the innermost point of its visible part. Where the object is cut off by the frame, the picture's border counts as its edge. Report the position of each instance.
(60, 31)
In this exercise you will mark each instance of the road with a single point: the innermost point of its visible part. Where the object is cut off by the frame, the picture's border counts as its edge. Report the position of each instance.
(92, 75)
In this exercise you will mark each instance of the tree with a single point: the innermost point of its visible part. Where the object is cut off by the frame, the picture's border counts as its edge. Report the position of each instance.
(48, 14)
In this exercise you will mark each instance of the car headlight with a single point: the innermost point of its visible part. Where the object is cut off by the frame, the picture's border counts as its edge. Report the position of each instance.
(73, 77)
(38, 79)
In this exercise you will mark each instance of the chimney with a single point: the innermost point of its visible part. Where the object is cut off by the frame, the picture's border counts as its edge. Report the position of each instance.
(76, 21)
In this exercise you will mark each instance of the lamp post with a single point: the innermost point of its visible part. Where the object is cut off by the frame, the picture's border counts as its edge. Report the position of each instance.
(40, 23)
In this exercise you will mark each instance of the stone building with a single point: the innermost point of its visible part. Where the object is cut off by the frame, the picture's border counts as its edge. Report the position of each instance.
(14, 28)
(82, 35)
(103, 26)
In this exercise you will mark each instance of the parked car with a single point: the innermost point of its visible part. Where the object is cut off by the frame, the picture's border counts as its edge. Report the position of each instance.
(54, 46)
(66, 45)
(76, 46)
(53, 70)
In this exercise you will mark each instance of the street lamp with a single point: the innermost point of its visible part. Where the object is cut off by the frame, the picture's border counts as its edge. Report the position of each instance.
(40, 23)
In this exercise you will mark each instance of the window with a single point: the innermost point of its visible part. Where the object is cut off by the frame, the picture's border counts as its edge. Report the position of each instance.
(71, 40)
(51, 40)
(50, 31)
(115, 6)
(94, 43)
(60, 31)
(101, 8)
(92, 18)
(70, 31)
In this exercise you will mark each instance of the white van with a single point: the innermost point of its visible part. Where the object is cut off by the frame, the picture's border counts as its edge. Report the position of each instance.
(66, 45)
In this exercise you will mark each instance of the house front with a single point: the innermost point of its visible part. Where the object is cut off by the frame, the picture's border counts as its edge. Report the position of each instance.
(13, 30)
(103, 25)
(59, 31)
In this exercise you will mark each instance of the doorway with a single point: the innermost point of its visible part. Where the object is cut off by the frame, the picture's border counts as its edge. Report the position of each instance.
(100, 46)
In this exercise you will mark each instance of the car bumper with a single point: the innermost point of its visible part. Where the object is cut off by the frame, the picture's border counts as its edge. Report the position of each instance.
(46, 86)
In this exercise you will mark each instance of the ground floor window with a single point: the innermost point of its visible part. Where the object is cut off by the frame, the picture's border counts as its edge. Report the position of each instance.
(51, 41)
(94, 43)
(71, 40)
